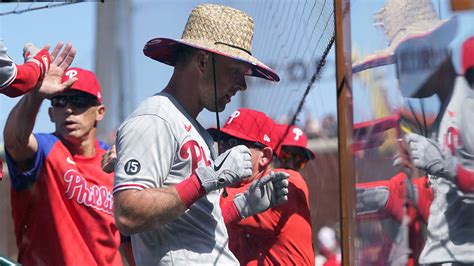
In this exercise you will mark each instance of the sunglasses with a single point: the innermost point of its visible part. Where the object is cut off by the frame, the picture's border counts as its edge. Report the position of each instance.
(228, 143)
(77, 101)
(299, 161)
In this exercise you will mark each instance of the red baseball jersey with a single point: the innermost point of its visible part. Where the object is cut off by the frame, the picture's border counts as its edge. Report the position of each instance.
(279, 236)
(62, 208)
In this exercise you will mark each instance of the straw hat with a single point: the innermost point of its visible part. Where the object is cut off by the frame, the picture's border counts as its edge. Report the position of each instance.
(215, 28)
(401, 20)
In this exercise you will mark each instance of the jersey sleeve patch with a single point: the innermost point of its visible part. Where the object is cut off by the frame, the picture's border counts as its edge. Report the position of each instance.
(146, 148)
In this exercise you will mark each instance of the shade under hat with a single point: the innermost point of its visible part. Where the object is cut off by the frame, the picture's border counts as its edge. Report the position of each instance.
(219, 29)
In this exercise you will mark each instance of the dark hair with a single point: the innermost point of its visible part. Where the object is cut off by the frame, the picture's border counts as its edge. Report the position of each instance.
(184, 54)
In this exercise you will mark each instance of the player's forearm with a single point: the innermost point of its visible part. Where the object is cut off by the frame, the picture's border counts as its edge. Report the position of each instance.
(143, 210)
(20, 124)
(26, 79)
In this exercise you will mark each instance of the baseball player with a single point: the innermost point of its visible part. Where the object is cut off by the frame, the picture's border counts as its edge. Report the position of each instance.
(16, 80)
(294, 152)
(281, 235)
(62, 201)
(168, 176)
(447, 155)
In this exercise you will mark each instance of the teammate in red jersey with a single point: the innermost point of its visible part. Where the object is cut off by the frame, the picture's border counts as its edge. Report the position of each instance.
(61, 199)
(281, 235)
(16, 80)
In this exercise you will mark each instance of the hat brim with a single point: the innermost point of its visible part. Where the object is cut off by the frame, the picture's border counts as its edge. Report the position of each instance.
(164, 50)
(386, 56)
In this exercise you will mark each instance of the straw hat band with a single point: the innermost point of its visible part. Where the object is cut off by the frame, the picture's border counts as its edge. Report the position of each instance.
(248, 52)
(224, 49)
(219, 24)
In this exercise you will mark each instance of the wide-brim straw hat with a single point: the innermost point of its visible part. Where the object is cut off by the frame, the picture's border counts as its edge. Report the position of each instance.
(219, 29)
(401, 20)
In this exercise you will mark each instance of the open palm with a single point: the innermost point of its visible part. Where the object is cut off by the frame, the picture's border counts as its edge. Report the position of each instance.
(51, 84)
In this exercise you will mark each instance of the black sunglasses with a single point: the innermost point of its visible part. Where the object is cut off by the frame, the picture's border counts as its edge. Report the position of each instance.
(78, 101)
(232, 142)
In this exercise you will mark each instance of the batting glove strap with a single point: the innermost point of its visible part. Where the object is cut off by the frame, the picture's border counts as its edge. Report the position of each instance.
(230, 167)
(210, 180)
(38, 56)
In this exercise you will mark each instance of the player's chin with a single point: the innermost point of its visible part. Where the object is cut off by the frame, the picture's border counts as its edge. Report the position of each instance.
(72, 135)
(220, 107)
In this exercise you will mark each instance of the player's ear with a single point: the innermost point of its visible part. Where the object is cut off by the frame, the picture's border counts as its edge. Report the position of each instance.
(51, 114)
(267, 157)
(202, 59)
(100, 112)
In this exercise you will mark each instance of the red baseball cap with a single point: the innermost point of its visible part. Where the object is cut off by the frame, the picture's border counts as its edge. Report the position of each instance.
(252, 125)
(295, 137)
(87, 81)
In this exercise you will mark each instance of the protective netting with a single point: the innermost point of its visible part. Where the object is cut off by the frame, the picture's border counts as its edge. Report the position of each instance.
(296, 38)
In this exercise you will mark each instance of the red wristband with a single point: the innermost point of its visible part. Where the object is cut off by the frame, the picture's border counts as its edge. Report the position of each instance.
(465, 179)
(190, 190)
(230, 212)
(26, 78)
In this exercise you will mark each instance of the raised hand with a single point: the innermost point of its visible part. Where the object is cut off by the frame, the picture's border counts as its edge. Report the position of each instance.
(51, 84)
(230, 167)
(264, 193)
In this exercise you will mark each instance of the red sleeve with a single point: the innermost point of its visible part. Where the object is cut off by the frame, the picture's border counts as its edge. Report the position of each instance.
(230, 212)
(26, 79)
(465, 179)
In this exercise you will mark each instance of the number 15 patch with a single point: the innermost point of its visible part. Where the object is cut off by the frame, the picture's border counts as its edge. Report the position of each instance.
(132, 167)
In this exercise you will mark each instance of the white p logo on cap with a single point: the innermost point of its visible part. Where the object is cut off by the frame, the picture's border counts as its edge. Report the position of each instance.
(298, 133)
(71, 73)
(232, 116)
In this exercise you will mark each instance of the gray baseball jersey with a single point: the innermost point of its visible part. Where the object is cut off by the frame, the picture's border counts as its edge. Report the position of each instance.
(160, 145)
(7, 67)
(451, 222)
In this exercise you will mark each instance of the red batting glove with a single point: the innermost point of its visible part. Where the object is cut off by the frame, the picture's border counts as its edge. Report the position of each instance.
(40, 57)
